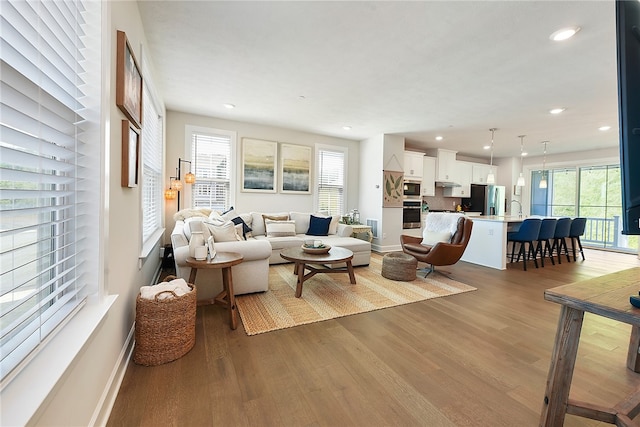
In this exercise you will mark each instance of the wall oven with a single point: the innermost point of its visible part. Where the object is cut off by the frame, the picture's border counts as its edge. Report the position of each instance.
(411, 214)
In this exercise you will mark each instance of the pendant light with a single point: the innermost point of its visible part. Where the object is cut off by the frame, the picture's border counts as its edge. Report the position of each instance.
(491, 178)
(543, 181)
(520, 182)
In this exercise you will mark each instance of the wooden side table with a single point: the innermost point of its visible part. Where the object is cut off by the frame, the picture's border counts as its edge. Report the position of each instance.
(361, 229)
(606, 296)
(226, 298)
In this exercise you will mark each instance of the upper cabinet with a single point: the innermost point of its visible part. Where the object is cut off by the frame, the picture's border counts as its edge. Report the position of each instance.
(446, 167)
(479, 173)
(428, 187)
(462, 176)
(413, 165)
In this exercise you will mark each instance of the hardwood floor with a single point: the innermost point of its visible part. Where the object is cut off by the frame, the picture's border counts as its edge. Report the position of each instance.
(473, 359)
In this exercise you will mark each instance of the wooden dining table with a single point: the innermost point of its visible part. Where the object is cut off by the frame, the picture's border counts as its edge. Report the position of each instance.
(606, 296)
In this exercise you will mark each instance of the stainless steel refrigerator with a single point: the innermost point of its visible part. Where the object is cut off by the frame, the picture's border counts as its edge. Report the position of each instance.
(488, 198)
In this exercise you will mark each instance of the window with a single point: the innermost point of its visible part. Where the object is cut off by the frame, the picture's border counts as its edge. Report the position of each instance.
(593, 192)
(212, 164)
(331, 163)
(151, 166)
(49, 169)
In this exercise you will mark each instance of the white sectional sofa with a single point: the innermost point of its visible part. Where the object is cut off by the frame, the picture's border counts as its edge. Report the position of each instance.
(261, 247)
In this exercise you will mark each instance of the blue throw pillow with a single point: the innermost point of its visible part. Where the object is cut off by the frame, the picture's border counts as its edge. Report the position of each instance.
(318, 226)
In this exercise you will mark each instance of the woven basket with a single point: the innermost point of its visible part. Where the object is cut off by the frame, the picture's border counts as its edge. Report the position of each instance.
(399, 266)
(165, 328)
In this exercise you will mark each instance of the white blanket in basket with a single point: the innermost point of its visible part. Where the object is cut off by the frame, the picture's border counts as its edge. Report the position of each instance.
(177, 286)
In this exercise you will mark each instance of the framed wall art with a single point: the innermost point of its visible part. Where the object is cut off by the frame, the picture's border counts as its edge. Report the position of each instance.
(392, 191)
(130, 154)
(128, 81)
(295, 169)
(259, 165)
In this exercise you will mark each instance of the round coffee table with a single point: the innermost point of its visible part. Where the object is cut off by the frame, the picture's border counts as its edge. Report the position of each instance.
(223, 261)
(302, 260)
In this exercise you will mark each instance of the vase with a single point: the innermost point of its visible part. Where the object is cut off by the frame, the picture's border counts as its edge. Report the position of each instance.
(197, 239)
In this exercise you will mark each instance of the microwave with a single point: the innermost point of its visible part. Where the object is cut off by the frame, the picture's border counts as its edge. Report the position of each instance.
(412, 188)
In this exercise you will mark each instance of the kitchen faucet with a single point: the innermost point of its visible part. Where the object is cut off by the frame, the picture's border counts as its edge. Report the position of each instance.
(520, 205)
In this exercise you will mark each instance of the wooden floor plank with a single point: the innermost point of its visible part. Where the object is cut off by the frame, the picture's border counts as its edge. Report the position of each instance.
(473, 359)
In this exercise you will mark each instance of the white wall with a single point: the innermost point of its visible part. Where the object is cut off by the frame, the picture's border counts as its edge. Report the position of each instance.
(370, 192)
(84, 395)
(244, 201)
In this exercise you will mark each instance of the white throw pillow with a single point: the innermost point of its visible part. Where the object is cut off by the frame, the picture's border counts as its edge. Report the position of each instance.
(430, 238)
(216, 219)
(224, 233)
(280, 228)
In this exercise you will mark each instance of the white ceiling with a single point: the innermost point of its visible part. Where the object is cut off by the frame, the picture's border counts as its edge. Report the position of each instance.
(416, 69)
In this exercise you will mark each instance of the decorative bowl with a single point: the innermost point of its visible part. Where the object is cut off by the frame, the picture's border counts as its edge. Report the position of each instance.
(316, 250)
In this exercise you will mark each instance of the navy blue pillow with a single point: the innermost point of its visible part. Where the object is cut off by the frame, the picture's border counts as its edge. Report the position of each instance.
(318, 226)
(245, 228)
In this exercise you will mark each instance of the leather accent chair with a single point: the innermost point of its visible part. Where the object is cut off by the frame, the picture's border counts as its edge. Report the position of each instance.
(442, 253)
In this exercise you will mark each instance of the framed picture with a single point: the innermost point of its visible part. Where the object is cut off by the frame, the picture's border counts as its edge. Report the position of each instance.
(295, 169)
(259, 160)
(128, 81)
(130, 154)
(392, 191)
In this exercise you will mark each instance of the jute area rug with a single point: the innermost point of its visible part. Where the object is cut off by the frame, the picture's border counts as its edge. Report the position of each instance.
(328, 296)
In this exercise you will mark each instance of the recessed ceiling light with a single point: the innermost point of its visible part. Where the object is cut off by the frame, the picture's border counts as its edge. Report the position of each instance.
(346, 127)
(604, 128)
(564, 33)
(486, 147)
(439, 138)
(557, 110)
(229, 106)
(524, 153)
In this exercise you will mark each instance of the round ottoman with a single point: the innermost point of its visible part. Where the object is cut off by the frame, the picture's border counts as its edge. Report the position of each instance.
(399, 266)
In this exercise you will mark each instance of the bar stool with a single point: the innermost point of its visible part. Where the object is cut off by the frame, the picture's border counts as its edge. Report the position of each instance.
(547, 231)
(528, 232)
(577, 229)
(559, 238)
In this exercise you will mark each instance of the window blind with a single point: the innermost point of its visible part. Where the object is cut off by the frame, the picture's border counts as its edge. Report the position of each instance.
(49, 169)
(331, 181)
(211, 157)
(151, 166)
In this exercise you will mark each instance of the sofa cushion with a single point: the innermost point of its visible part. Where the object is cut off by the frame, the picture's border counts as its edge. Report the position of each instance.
(280, 228)
(302, 221)
(319, 226)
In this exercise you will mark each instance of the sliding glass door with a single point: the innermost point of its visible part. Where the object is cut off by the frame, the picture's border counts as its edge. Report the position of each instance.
(593, 192)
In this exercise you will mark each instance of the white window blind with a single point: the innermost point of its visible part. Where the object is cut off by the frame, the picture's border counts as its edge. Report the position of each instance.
(211, 157)
(331, 171)
(49, 169)
(151, 166)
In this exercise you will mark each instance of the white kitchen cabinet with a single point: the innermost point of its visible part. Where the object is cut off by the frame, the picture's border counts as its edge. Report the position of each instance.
(479, 173)
(446, 167)
(462, 176)
(428, 187)
(413, 165)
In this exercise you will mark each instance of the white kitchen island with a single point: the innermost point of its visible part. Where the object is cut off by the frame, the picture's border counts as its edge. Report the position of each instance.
(488, 243)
